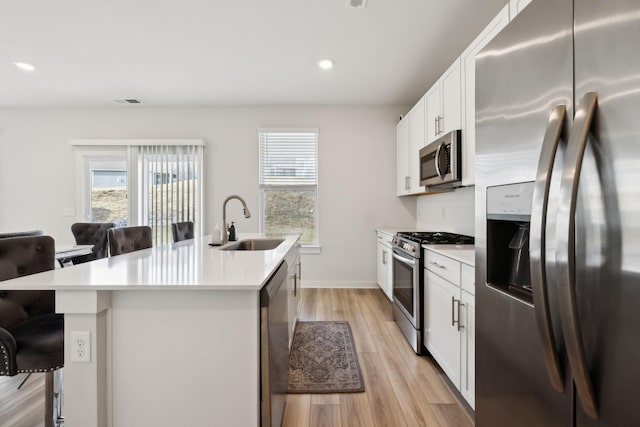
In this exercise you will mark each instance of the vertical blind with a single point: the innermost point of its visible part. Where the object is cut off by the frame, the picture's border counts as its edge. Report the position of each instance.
(288, 158)
(170, 187)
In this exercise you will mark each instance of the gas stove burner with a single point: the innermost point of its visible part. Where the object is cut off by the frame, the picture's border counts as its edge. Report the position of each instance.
(437, 238)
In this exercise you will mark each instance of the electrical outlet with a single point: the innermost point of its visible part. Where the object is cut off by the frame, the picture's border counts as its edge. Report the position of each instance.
(81, 346)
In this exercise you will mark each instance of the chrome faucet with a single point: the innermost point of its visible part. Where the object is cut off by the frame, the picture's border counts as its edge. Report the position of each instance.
(247, 214)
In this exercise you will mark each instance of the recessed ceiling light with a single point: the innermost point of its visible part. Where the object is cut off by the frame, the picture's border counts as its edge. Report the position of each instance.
(24, 66)
(325, 64)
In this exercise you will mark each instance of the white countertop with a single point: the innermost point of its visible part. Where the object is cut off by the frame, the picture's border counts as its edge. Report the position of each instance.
(187, 264)
(463, 253)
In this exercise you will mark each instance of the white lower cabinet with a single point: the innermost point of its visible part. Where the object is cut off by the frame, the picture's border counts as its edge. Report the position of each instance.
(468, 347)
(449, 330)
(443, 337)
(293, 293)
(384, 265)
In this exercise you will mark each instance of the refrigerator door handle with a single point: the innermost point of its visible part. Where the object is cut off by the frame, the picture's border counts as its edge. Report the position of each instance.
(565, 257)
(537, 244)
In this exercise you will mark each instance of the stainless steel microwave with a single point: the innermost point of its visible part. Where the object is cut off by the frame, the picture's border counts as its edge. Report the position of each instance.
(441, 161)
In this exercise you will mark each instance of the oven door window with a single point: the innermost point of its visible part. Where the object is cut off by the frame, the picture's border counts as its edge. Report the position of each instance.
(403, 285)
(428, 166)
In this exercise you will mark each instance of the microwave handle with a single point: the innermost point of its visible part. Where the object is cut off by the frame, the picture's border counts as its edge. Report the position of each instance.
(437, 159)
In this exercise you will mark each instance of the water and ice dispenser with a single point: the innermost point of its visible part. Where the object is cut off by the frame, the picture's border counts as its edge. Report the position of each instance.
(508, 220)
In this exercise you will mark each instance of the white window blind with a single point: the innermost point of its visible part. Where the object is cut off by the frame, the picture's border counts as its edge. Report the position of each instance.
(288, 162)
(288, 158)
(170, 187)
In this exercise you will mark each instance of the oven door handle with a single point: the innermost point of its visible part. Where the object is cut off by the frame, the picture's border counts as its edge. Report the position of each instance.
(404, 260)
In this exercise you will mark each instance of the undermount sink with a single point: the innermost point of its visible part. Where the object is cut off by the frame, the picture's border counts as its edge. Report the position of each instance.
(253, 245)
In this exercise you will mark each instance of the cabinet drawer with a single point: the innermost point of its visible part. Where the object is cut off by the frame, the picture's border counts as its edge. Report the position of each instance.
(385, 238)
(443, 266)
(468, 278)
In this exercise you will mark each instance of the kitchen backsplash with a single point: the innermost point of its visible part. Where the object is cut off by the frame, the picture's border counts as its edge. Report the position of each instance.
(452, 211)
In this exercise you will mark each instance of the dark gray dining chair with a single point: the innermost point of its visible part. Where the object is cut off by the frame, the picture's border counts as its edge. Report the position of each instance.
(129, 239)
(31, 334)
(91, 233)
(182, 231)
(21, 234)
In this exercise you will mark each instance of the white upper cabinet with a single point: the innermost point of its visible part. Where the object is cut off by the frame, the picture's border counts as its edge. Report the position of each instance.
(444, 103)
(416, 142)
(410, 139)
(402, 157)
(468, 64)
(516, 6)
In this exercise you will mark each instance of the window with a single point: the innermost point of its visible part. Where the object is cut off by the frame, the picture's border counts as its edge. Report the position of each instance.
(169, 187)
(289, 182)
(149, 182)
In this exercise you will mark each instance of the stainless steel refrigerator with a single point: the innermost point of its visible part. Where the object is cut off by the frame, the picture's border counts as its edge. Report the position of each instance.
(558, 217)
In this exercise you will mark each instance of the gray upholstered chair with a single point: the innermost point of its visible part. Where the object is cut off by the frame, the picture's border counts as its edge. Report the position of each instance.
(129, 239)
(182, 231)
(91, 233)
(31, 334)
(21, 234)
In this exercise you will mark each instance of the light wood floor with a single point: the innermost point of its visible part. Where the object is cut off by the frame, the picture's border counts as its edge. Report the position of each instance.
(401, 389)
(24, 407)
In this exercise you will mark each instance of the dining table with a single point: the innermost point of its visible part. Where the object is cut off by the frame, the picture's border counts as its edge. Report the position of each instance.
(66, 253)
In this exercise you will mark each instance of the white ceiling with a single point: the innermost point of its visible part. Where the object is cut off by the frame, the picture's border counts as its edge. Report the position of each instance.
(232, 52)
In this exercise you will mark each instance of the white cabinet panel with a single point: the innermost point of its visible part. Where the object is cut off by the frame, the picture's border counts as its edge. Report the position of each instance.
(443, 266)
(468, 65)
(442, 337)
(416, 142)
(384, 266)
(449, 329)
(451, 100)
(410, 139)
(467, 278)
(293, 298)
(402, 157)
(444, 104)
(433, 111)
(468, 347)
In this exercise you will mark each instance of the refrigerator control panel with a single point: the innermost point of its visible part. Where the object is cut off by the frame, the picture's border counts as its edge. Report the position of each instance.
(511, 199)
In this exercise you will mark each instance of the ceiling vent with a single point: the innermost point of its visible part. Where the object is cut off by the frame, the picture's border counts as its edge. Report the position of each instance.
(127, 101)
(356, 3)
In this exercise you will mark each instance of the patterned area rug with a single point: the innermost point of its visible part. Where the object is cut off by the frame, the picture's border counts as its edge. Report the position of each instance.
(324, 360)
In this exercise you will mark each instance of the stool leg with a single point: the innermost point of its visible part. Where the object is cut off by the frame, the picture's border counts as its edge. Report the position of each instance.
(25, 380)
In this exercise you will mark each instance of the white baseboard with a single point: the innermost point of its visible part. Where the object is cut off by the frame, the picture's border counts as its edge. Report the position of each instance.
(337, 284)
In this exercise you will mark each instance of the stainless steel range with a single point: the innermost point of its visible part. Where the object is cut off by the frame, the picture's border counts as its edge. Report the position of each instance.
(407, 279)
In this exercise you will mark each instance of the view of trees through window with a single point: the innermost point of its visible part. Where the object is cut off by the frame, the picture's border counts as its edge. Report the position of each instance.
(291, 211)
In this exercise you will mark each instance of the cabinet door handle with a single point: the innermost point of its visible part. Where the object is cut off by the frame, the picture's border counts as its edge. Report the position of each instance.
(453, 317)
(295, 285)
(435, 124)
(384, 257)
(459, 309)
(453, 310)
(435, 264)
(440, 125)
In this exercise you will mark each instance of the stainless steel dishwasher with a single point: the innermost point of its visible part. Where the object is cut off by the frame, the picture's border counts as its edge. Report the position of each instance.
(274, 348)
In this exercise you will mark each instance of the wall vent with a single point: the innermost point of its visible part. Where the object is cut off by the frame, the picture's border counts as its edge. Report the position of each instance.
(357, 3)
(127, 101)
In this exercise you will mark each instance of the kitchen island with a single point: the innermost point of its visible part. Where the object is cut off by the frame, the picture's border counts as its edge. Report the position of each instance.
(175, 334)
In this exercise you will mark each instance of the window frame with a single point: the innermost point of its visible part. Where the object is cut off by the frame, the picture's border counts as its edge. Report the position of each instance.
(89, 149)
(308, 247)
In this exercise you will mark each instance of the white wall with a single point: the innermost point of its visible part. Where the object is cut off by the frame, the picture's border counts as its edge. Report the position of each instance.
(357, 174)
(452, 211)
